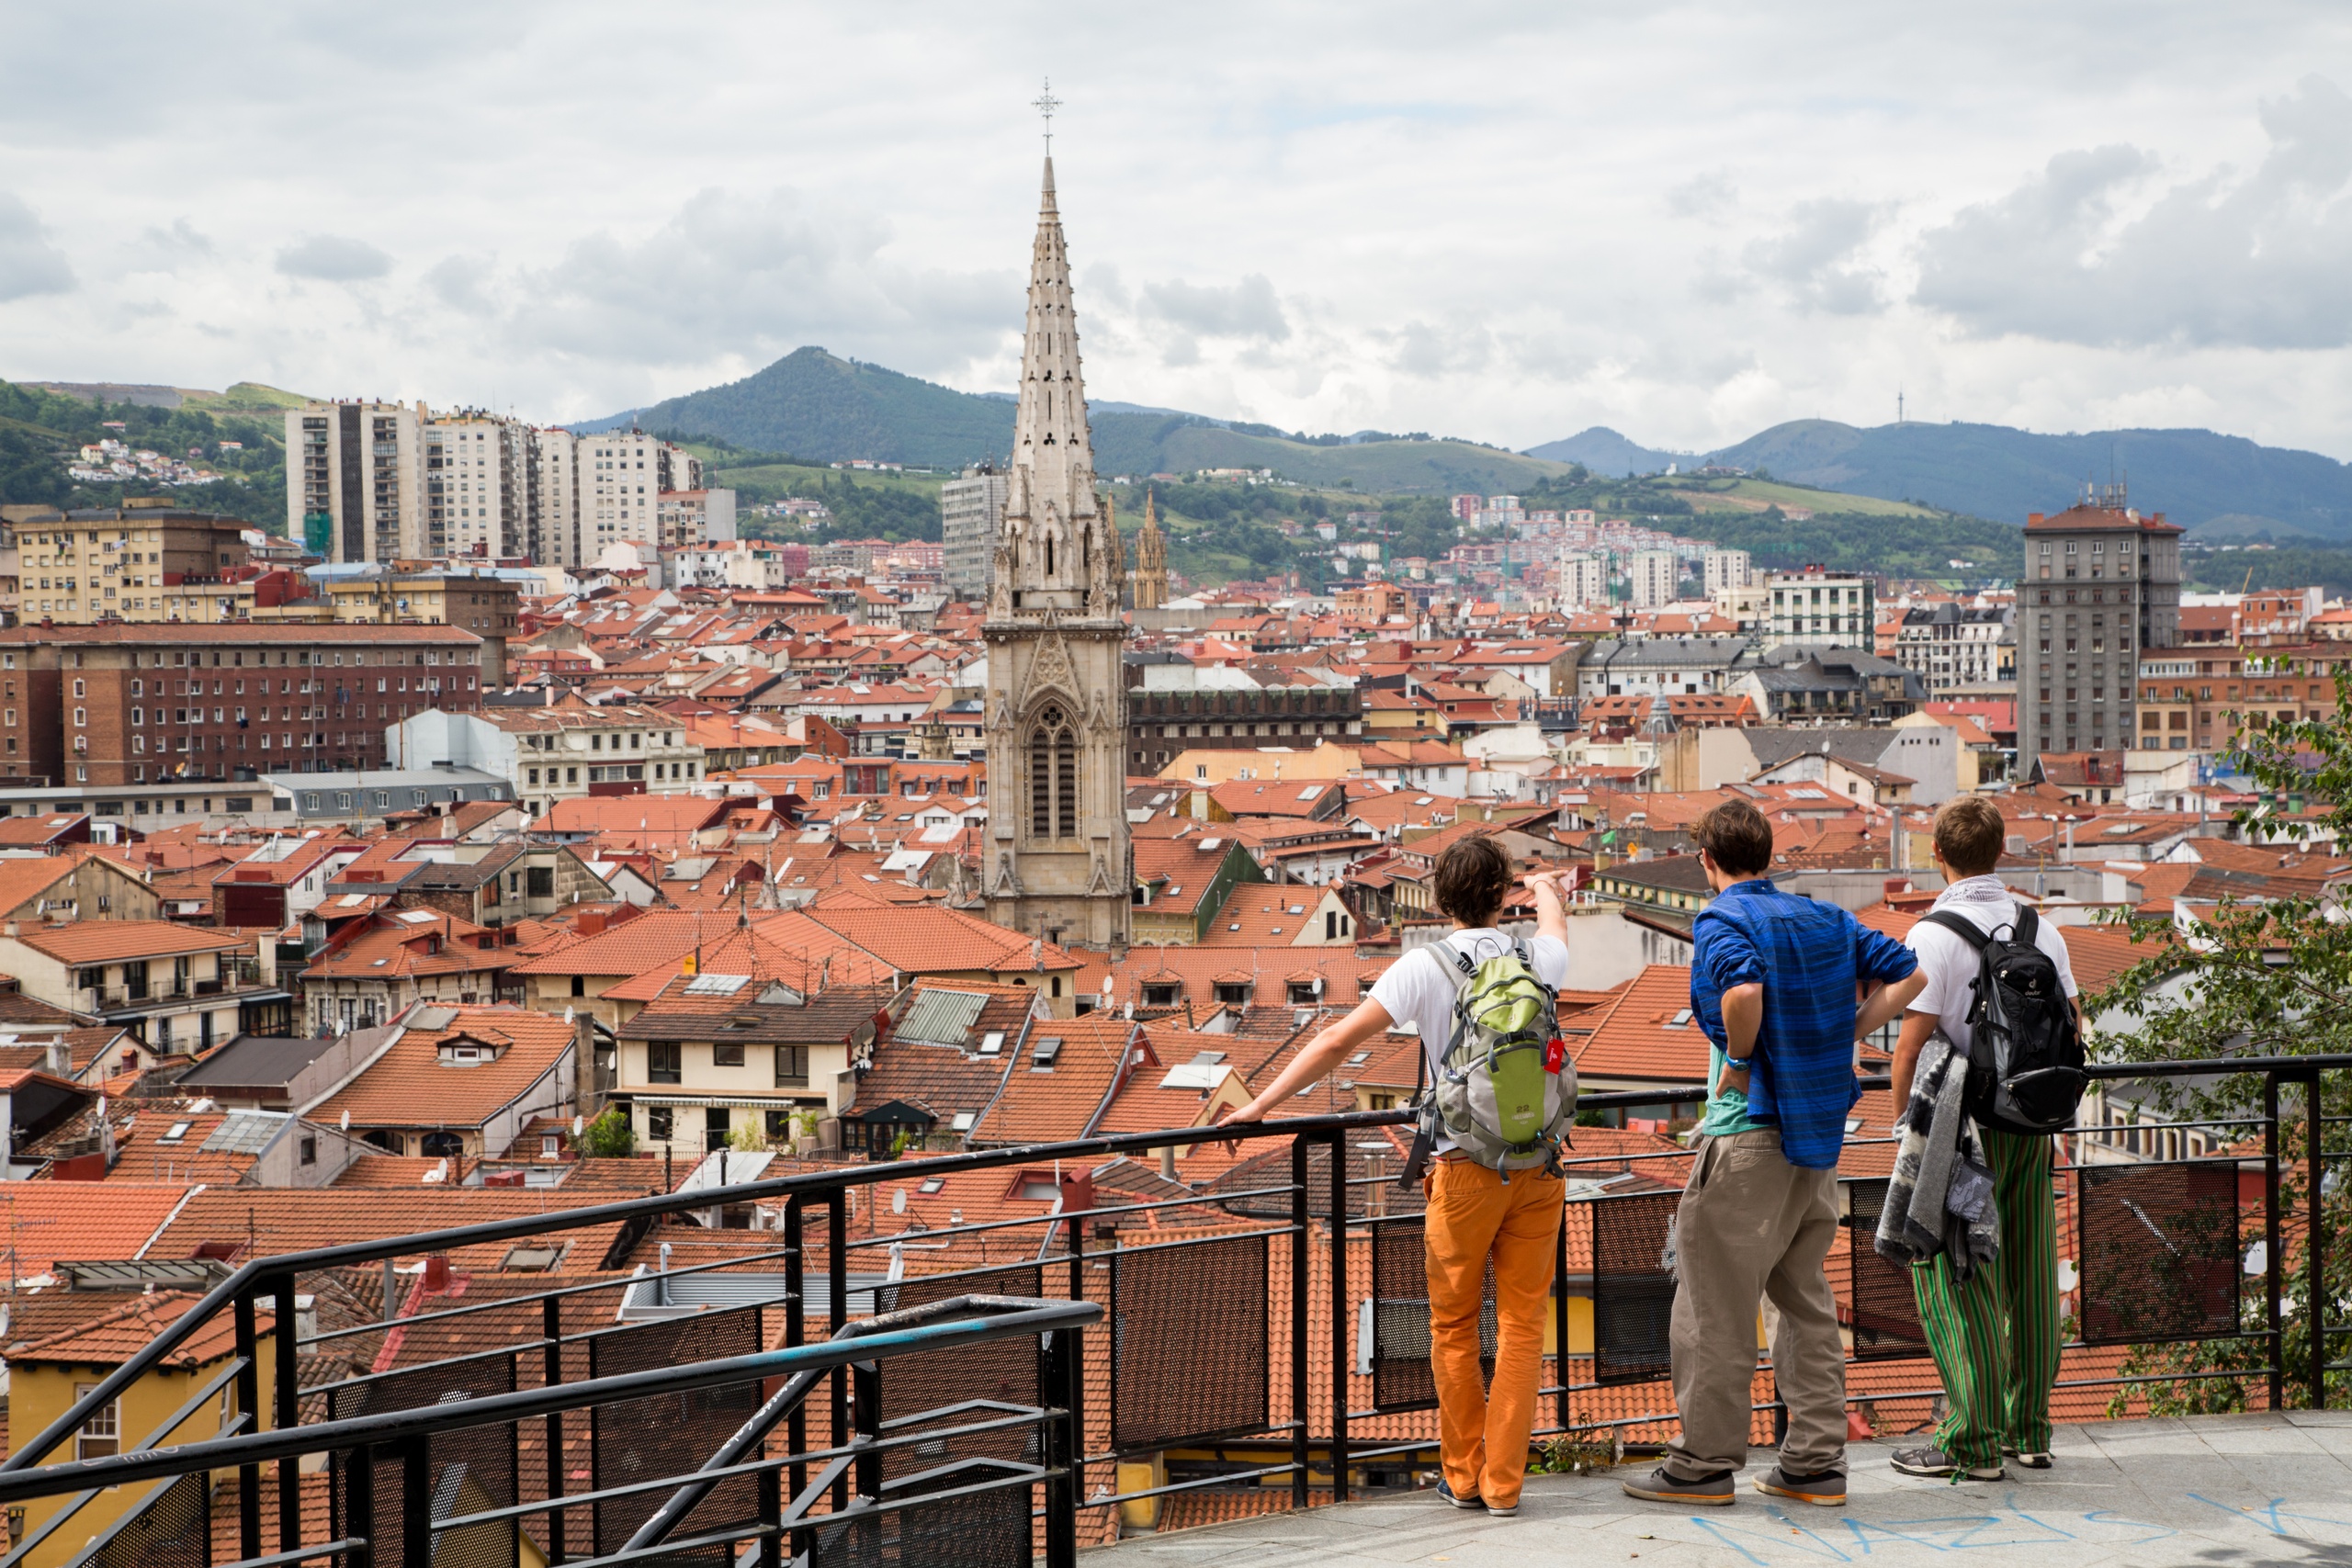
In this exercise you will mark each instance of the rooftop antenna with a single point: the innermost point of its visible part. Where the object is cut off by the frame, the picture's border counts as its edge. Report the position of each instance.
(1045, 104)
(1898, 403)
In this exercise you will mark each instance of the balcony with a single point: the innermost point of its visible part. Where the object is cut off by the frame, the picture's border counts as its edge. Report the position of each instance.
(1270, 1355)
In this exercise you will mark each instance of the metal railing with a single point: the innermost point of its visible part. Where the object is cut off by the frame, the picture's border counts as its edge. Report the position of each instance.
(929, 1411)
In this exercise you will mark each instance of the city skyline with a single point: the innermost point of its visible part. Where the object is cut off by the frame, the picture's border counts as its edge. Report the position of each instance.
(1687, 228)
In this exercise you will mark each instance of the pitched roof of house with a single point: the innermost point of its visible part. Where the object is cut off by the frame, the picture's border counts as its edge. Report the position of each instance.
(929, 939)
(1063, 1080)
(128, 1327)
(113, 941)
(410, 1086)
(78, 1219)
(1638, 1036)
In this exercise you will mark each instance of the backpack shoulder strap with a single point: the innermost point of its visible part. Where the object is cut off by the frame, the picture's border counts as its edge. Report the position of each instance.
(2028, 925)
(1958, 925)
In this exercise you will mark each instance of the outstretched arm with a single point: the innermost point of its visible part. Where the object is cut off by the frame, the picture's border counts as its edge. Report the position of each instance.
(1322, 1054)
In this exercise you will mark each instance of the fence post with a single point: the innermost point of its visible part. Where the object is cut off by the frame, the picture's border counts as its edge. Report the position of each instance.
(286, 1390)
(1300, 1451)
(551, 1330)
(837, 1275)
(1560, 1319)
(249, 1405)
(866, 1398)
(2270, 1237)
(416, 1503)
(770, 1518)
(1064, 1361)
(2316, 1170)
(795, 1332)
(1339, 1359)
(359, 1502)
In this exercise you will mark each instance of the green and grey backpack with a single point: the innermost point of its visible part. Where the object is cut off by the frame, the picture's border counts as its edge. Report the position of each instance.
(1504, 1092)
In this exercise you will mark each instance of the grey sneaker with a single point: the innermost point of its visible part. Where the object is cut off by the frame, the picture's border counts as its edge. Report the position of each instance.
(1937, 1465)
(1828, 1489)
(1707, 1492)
(1501, 1510)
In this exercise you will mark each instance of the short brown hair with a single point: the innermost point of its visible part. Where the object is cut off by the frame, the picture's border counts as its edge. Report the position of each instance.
(1969, 835)
(1474, 877)
(1735, 833)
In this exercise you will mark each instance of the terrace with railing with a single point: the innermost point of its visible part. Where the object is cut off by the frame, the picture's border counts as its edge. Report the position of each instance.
(1135, 1355)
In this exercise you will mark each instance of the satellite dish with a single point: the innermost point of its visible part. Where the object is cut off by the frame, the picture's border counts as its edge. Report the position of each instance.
(899, 1200)
(346, 1120)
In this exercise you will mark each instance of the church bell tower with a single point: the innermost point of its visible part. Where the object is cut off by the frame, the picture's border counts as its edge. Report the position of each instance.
(1057, 864)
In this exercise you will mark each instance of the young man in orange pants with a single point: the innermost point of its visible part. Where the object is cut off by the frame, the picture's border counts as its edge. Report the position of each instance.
(1475, 1212)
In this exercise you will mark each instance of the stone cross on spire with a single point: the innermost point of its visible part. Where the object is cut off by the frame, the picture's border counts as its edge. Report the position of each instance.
(1045, 104)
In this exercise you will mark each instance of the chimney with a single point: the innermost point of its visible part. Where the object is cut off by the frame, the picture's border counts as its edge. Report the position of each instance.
(436, 1274)
(61, 1057)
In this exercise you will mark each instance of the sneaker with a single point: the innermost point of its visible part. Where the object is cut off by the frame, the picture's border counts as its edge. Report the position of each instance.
(1445, 1490)
(1937, 1465)
(1828, 1489)
(1501, 1510)
(2038, 1459)
(1657, 1487)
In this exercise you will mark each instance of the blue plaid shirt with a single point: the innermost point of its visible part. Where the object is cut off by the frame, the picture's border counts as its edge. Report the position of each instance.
(1808, 954)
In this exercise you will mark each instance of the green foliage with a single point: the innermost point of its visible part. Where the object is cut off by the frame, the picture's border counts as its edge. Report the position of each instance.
(609, 1136)
(1897, 546)
(746, 1138)
(39, 430)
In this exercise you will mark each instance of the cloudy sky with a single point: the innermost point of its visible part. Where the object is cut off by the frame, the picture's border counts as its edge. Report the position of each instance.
(1503, 221)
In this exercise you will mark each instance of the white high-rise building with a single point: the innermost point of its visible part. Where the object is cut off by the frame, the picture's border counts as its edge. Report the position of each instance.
(971, 509)
(1653, 577)
(1584, 583)
(1817, 608)
(559, 462)
(1725, 569)
(622, 474)
(483, 487)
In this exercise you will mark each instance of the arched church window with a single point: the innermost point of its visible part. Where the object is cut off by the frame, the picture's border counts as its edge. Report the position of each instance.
(1052, 777)
(1049, 557)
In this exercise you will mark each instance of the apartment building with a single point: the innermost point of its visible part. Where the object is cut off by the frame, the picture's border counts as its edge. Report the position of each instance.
(480, 600)
(621, 477)
(1951, 646)
(1815, 608)
(114, 704)
(1720, 569)
(141, 563)
(1584, 583)
(1652, 577)
(355, 479)
(971, 510)
(687, 517)
(2101, 585)
(568, 752)
(179, 989)
(482, 488)
(557, 456)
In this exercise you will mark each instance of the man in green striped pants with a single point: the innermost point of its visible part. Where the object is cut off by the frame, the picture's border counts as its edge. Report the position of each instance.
(1996, 1336)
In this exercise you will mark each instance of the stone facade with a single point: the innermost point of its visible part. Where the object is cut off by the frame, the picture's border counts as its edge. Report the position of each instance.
(1056, 863)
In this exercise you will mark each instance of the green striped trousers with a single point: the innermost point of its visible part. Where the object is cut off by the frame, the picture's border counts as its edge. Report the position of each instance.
(1996, 1338)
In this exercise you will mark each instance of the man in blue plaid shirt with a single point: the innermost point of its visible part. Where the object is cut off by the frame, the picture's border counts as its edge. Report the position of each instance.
(1773, 983)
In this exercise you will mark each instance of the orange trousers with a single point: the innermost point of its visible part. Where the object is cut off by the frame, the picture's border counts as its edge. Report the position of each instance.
(1474, 1213)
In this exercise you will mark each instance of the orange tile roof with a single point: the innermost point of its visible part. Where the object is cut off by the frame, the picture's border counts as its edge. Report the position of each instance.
(929, 939)
(764, 954)
(1636, 1037)
(1042, 1106)
(272, 1221)
(45, 1221)
(391, 944)
(409, 1087)
(111, 1340)
(631, 947)
(1259, 914)
(112, 942)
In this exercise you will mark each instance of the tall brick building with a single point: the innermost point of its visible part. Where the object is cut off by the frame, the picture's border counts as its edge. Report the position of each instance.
(124, 704)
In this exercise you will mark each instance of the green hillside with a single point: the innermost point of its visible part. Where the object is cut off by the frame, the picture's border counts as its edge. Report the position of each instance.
(40, 429)
(824, 408)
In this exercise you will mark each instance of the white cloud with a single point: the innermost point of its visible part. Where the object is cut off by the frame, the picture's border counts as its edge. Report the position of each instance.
(333, 258)
(1814, 259)
(1245, 310)
(30, 265)
(2086, 254)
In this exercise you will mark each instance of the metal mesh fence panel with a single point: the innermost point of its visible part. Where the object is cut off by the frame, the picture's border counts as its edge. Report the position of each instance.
(1001, 1370)
(1399, 1308)
(1164, 1300)
(173, 1531)
(986, 1529)
(671, 1434)
(468, 1472)
(1633, 1286)
(2159, 1251)
(1886, 1311)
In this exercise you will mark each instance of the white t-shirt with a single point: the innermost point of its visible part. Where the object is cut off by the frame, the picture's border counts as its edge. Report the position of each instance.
(1950, 965)
(1419, 989)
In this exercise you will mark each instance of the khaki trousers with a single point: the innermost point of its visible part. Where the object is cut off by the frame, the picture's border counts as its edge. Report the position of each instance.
(1751, 1226)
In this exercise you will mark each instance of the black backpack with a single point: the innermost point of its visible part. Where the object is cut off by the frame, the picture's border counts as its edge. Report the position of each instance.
(2025, 1053)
